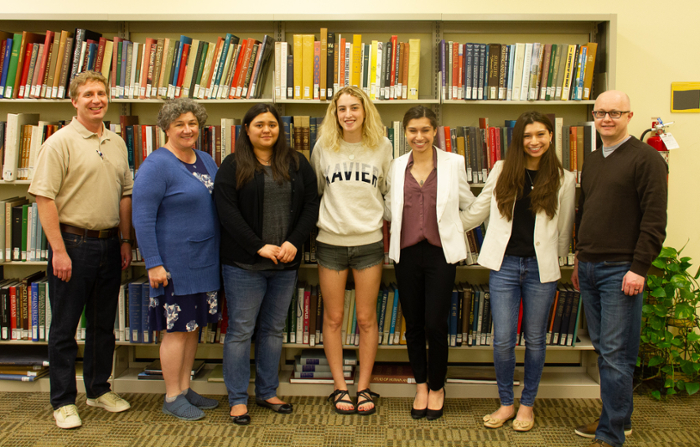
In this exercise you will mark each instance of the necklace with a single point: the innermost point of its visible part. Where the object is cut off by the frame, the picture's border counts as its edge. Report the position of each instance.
(532, 184)
(264, 162)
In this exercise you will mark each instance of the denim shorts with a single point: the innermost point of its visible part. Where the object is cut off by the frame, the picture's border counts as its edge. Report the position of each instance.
(360, 257)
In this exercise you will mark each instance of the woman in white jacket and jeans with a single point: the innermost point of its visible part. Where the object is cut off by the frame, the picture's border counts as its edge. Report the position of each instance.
(530, 200)
(426, 188)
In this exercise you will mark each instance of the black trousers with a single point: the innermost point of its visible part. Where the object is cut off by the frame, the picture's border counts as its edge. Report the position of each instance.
(425, 281)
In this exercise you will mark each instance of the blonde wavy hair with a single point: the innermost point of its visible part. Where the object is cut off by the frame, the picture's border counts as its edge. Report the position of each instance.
(330, 132)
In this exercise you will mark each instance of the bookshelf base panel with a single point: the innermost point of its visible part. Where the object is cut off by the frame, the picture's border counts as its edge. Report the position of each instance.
(571, 383)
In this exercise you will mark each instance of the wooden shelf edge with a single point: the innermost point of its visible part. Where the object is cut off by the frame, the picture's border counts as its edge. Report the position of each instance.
(528, 17)
(515, 103)
(28, 263)
(316, 101)
(422, 17)
(583, 345)
(553, 385)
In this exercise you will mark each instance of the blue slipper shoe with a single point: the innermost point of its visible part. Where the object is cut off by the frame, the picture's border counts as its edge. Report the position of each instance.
(182, 409)
(200, 402)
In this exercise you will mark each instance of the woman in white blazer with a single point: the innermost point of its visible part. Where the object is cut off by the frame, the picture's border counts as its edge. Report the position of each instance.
(426, 189)
(530, 200)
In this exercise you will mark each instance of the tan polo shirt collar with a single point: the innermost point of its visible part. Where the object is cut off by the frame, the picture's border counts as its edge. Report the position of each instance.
(85, 133)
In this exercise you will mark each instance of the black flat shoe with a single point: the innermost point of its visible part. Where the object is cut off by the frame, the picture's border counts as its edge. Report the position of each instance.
(277, 408)
(243, 419)
(419, 414)
(431, 415)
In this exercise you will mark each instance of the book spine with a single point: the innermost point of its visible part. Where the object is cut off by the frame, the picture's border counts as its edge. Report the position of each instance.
(35, 311)
(454, 310)
(331, 66)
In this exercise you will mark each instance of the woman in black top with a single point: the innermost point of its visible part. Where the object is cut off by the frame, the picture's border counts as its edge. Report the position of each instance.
(529, 200)
(267, 201)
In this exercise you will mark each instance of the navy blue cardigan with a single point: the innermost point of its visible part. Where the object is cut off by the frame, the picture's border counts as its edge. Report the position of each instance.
(176, 222)
(241, 212)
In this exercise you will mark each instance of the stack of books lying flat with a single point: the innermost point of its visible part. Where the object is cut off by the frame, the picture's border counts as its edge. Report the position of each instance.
(154, 370)
(312, 367)
(24, 363)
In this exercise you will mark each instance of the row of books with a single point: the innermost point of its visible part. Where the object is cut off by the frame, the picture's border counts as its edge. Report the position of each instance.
(517, 72)
(26, 312)
(26, 315)
(304, 323)
(469, 323)
(132, 324)
(314, 69)
(229, 68)
(36, 65)
(22, 237)
(25, 309)
(21, 137)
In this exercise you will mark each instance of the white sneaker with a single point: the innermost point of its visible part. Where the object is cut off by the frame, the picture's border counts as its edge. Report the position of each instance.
(111, 402)
(67, 417)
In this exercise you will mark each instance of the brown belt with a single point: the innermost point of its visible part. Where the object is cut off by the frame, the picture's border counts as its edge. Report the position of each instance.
(100, 234)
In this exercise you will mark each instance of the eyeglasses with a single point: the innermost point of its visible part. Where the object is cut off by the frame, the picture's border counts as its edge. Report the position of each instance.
(600, 114)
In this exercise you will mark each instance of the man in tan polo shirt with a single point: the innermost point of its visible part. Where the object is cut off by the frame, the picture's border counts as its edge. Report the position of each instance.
(82, 185)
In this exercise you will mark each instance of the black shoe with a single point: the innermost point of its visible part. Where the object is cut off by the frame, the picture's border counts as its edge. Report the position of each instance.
(431, 415)
(418, 413)
(277, 408)
(243, 419)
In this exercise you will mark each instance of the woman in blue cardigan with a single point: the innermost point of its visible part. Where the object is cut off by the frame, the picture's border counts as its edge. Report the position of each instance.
(177, 230)
(267, 201)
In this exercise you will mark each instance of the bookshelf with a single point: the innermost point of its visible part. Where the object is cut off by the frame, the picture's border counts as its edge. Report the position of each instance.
(569, 372)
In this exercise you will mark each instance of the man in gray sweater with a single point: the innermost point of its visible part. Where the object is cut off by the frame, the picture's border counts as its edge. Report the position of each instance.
(620, 228)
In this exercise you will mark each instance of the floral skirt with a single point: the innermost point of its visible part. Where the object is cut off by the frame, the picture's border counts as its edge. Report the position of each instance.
(182, 313)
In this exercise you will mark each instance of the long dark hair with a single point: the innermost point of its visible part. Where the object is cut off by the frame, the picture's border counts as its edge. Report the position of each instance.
(512, 179)
(246, 161)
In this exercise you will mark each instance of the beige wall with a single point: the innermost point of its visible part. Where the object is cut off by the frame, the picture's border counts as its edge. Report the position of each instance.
(657, 45)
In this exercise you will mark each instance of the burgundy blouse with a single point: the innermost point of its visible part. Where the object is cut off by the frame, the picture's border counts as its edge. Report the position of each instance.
(419, 208)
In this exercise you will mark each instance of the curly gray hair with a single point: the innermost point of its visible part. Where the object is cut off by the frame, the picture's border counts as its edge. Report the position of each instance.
(172, 109)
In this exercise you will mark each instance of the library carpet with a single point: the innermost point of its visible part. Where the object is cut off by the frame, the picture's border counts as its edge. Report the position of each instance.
(26, 420)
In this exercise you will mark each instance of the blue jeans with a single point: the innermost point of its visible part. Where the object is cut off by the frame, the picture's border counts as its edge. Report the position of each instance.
(614, 323)
(261, 296)
(94, 285)
(519, 278)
